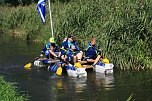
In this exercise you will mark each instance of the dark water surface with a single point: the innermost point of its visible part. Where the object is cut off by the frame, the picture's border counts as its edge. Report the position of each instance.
(41, 85)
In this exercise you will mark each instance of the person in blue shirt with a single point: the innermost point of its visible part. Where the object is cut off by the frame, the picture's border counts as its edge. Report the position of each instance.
(69, 47)
(50, 50)
(92, 54)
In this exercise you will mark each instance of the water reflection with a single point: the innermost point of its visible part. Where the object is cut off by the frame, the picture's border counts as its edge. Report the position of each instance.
(80, 84)
(69, 88)
(105, 81)
(66, 87)
(99, 80)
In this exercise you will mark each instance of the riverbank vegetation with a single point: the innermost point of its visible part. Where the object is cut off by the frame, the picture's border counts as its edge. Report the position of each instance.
(123, 28)
(8, 92)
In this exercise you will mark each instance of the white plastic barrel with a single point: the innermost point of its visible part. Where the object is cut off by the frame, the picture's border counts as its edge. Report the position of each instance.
(107, 68)
(38, 63)
(79, 72)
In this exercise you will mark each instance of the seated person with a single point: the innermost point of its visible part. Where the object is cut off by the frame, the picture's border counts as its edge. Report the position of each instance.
(50, 50)
(71, 46)
(92, 54)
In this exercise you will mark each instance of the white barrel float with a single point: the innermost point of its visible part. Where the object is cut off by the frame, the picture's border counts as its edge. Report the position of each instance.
(39, 63)
(104, 68)
(76, 72)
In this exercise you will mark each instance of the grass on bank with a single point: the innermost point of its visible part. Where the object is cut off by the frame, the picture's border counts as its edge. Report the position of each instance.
(8, 92)
(123, 28)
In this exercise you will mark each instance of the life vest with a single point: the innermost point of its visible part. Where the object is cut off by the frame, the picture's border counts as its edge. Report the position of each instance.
(91, 51)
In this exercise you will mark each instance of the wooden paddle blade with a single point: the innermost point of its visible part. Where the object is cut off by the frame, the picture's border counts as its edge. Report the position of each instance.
(59, 71)
(28, 66)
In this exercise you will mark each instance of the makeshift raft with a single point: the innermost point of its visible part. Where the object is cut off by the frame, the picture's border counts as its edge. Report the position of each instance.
(74, 71)
(53, 66)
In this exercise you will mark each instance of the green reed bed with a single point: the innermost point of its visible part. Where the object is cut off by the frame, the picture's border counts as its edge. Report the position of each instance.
(8, 92)
(123, 28)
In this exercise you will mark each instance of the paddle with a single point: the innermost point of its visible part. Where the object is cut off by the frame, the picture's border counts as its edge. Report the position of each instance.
(78, 65)
(28, 65)
(59, 71)
(105, 60)
(56, 68)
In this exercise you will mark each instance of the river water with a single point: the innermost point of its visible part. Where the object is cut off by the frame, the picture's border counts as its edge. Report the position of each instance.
(41, 85)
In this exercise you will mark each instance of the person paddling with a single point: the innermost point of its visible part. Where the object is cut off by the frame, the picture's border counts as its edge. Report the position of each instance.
(50, 50)
(92, 54)
(70, 50)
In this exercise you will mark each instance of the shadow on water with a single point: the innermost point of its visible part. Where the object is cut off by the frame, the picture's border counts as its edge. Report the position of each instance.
(41, 85)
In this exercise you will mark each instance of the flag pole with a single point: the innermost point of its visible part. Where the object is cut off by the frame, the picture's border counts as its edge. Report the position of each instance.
(51, 19)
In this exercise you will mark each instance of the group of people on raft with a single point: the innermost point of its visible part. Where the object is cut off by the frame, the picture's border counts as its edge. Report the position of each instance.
(70, 51)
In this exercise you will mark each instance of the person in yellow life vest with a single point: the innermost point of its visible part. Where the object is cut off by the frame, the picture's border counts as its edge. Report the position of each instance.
(50, 50)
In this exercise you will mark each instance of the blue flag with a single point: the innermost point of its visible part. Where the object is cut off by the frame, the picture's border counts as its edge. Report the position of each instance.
(41, 9)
